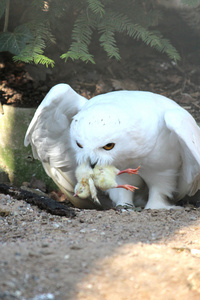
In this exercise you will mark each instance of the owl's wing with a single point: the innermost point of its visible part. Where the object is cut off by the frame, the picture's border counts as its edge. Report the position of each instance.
(182, 124)
(48, 134)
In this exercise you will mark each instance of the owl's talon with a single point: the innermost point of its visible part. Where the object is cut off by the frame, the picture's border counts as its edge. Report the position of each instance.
(127, 207)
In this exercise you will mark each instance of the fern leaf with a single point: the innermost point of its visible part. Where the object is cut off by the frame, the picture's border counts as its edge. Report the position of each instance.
(44, 60)
(37, 58)
(32, 50)
(123, 24)
(96, 6)
(191, 3)
(81, 36)
(108, 42)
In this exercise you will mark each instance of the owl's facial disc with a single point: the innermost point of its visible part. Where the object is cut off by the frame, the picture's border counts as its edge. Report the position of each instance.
(93, 156)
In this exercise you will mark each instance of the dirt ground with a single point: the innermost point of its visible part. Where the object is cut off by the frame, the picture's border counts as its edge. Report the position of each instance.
(108, 254)
(98, 254)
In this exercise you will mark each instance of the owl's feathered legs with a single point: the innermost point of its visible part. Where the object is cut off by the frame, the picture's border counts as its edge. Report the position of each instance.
(157, 200)
(161, 187)
(122, 196)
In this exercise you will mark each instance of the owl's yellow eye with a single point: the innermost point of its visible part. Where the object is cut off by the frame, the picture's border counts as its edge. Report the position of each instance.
(109, 146)
(79, 145)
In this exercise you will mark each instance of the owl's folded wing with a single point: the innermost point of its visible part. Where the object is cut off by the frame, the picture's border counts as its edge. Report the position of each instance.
(182, 124)
(48, 134)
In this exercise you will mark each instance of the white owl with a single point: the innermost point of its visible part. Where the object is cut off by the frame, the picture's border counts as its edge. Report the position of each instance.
(124, 129)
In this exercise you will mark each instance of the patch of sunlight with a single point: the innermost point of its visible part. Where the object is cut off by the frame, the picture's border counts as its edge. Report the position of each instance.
(147, 271)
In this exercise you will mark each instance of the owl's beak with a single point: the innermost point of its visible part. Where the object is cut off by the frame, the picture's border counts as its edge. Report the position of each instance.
(92, 165)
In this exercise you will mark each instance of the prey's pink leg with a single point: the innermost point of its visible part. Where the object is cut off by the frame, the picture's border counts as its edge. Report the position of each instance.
(129, 171)
(128, 187)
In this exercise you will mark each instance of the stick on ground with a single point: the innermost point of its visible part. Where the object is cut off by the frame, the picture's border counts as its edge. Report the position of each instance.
(44, 203)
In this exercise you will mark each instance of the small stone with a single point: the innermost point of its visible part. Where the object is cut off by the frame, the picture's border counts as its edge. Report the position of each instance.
(48, 296)
(195, 252)
(192, 218)
(56, 225)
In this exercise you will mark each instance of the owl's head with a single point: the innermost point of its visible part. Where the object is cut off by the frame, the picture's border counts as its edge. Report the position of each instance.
(99, 135)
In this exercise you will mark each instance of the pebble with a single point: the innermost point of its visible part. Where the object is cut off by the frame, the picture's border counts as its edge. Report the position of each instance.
(192, 218)
(44, 297)
(56, 225)
(195, 252)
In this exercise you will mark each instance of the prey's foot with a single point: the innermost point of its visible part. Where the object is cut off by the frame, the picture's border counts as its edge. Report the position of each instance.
(129, 171)
(127, 187)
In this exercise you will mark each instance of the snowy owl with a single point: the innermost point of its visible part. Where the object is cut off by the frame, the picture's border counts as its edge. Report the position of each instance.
(124, 129)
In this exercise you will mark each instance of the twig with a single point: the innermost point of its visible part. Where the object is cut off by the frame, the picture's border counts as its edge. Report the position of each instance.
(7, 9)
(44, 203)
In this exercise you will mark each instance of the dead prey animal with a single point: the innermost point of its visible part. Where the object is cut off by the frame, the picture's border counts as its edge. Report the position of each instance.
(102, 177)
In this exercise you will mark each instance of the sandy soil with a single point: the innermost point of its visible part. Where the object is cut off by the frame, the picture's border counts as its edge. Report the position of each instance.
(98, 254)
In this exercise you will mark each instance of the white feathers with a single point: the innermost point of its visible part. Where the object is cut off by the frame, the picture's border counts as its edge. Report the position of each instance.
(146, 129)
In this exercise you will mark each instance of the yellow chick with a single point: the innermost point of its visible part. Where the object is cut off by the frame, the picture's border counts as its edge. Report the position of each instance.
(85, 185)
(104, 177)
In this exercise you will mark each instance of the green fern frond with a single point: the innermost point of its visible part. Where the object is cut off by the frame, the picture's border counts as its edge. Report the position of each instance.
(41, 29)
(122, 23)
(108, 17)
(191, 3)
(44, 60)
(32, 50)
(108, 42)
(81, 36)
(107, 28)
(96, 7)
(34, 56)
(84, 56)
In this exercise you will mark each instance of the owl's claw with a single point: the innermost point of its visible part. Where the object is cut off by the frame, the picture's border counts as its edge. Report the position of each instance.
(127, 207)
